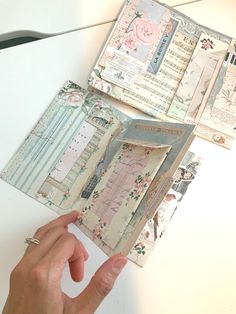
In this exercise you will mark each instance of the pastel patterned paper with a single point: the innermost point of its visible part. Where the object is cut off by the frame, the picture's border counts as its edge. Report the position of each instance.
(73, 152)
(138, 38)
(140, 28)
(144, 245)
(175, 135)
(32, 169)
(121, 189)
(38, 154)
(222, 116)
(102, 119)
(154, 229)
(206, 54)
(219, 116)
(202, 91)
(76, 148)
(158, 43)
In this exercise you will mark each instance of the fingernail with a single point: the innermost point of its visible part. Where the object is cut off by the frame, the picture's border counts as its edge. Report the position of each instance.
(119, 264)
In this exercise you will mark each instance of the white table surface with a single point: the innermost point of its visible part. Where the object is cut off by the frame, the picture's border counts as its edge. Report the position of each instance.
(192, 270)
(48, 17)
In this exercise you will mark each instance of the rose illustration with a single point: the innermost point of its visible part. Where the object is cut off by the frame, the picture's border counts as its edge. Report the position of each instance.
(146, 31)
(129, 42)
(74, 99)
(207, 44)
(102, 85)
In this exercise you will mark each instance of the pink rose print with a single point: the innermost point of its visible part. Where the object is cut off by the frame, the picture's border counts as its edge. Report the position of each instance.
(98, 105)
(98, 230)
(207, 44)
(129, 42)
(141, 183)
(66, 195)
(146, 31)
(80, 217)
(74, 99)
(102, 85)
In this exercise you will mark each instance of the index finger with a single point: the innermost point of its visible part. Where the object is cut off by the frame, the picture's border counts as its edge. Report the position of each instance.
(61, 221)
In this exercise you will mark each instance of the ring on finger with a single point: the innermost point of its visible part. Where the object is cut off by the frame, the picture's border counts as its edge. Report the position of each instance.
(32, 240)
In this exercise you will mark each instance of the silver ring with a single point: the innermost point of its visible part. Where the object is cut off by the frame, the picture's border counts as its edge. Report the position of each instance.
(32, 240)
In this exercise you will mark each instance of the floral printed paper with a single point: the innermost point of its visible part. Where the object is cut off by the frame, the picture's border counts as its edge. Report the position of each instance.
(154, 228)
(85, 155)
(164, 64)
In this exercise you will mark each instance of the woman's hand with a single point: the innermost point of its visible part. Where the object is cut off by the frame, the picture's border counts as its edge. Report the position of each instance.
(35, 283)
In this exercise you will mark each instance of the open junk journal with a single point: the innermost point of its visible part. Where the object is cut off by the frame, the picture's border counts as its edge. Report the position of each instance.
(165, 64)
(84, 154)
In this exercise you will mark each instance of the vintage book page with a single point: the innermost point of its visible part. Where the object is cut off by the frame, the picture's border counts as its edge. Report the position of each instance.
(155, 227)
(86, 155)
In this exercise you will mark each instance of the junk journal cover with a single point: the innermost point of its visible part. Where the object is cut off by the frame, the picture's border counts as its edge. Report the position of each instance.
(165, 64)
(84, 154)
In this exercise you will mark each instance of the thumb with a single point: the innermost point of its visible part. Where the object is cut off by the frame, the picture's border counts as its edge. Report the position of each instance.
(100, 285)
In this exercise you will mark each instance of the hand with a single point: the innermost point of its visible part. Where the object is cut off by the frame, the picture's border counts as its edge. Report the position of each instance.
(35, 283)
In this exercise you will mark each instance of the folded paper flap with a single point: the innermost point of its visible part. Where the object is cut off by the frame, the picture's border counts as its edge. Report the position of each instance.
(144, 143)
(158, 132)
(157, 225)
